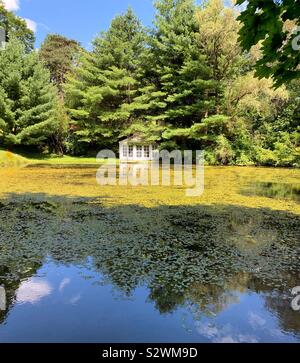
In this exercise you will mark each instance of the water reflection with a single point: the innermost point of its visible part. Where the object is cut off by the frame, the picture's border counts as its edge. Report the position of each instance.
(274, 190)
(228, 269)
(32, 291)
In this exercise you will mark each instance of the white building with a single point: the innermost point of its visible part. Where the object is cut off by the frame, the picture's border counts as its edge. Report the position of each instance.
(135, 149)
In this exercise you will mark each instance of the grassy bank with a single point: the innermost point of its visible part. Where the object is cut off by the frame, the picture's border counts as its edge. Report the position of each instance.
(20, 159)
(10, 159)
(62, 160)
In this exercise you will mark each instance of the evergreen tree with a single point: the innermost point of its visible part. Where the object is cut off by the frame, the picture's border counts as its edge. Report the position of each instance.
(177, 90)
(28, 102)
(59, 55)
(104, 81)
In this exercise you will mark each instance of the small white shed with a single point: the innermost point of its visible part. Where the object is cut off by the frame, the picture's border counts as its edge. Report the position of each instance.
(135, 149)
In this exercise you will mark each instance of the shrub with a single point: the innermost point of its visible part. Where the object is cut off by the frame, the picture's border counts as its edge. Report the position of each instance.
(224, 151)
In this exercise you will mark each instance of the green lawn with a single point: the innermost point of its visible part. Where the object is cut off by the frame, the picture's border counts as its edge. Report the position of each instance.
(62, 160)
(10, 159)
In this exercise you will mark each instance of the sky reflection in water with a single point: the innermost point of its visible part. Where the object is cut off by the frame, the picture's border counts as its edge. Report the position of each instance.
(77, 270)
(70, 304)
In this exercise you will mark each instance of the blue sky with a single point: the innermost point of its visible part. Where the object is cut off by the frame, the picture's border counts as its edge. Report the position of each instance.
(77, 19)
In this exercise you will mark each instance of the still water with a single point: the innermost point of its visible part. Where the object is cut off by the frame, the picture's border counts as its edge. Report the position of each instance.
(146, 265)
(60, 304)
(274, 190)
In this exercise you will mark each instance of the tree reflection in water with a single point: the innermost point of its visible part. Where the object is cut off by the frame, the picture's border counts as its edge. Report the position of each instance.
(194, 256)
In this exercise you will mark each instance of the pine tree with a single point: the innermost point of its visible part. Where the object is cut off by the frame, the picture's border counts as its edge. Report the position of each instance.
(28, 102)
(59, 55)
(177, 81)
(105, 81)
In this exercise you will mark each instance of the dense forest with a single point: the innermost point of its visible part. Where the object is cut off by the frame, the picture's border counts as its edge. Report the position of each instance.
(186, 83)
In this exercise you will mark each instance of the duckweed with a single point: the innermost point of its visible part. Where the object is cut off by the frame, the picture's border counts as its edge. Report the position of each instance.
(187, 251)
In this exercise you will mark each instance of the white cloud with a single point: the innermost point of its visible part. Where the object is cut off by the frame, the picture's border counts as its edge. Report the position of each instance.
(12, 5)
(207, 329)
(223, 333)
(32, 291)
(256, 321)
(63, 284)
(75, 299)
(32, 25)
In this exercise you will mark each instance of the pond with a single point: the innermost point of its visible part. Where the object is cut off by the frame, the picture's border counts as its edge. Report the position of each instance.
(274, 190)
(81, 262)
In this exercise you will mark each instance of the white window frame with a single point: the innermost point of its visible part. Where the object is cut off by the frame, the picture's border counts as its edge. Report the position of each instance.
(146, 152)
(130, 151)
(125, 151)
(139, 151)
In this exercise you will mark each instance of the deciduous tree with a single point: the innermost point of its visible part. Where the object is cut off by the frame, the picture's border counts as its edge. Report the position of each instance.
(15, 26)
(264, 23)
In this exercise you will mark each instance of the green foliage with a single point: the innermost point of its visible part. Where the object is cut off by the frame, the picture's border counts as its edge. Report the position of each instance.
(265, 157)
(184, 84)
(175, 81)
(277, 135)
(267, 23)
(105, 82)
(59, 55)
(224, 150)
(28, 102)
(218, 39)
(16, 27)
(194, 253)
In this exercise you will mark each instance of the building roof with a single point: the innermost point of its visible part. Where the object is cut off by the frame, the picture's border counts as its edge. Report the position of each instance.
(136, 139)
